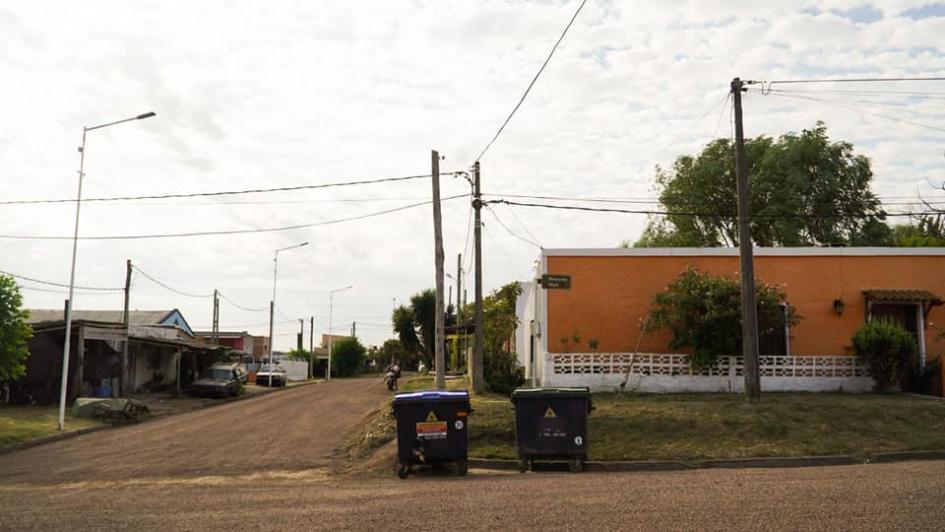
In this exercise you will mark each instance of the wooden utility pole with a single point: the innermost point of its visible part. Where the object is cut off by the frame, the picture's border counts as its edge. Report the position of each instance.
(475, 367)
(311, 348)
(354, 329)
(439, 338)
(215, 334)
(300, 345)
(126, 319)
(749, 305)
(459, 309)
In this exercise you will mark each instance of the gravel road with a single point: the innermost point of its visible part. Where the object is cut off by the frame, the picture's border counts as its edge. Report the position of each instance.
(294, 429)
(269, 464)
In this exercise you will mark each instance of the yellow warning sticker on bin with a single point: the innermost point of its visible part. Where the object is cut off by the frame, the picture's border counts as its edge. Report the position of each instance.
(550, 413)
(431, 429)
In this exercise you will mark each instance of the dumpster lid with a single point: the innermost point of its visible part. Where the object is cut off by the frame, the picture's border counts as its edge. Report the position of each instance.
(431, 395)
(551, 392)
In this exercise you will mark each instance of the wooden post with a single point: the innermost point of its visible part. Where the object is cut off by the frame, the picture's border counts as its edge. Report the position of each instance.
(439, 338)
(746, 254)
(79, 361)
(460, 333)
(477, 383)
(178, 364)
(311, 348)
(126, 319)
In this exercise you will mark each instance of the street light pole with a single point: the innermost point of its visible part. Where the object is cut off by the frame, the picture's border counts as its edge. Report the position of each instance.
(331, 307)
(272, 303)
(63, 387)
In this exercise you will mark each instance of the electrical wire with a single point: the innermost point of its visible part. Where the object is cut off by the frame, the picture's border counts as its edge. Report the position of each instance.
(525, 227)
(657, 201)
(221, 193)
(233, 231)
(168, 287)
(848, 80)
(852, 108)
(532, 83)
(704, 214)
(60, 285)
(509, 230)
(237, 305)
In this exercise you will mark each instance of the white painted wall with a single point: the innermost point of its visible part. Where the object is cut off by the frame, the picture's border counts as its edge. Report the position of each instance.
(296, 370)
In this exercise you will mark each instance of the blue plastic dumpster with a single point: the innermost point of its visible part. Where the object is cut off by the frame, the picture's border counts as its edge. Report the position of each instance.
(431, 429)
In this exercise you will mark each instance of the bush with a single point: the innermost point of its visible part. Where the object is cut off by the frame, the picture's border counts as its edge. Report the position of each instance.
(502, 373)
(347, 357)
(889, 350)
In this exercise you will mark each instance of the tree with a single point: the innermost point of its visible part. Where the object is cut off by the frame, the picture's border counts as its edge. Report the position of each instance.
(500, 366)
(927, 231)
(805, 191)
(14, 331)
(703, 312)
(347, 357)
(299, 354)
(404, 326)
(423, 306)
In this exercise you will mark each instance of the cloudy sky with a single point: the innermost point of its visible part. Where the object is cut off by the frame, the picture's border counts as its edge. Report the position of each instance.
(269, 94)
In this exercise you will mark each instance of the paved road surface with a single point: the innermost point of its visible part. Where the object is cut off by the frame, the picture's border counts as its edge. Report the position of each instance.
(293, 429)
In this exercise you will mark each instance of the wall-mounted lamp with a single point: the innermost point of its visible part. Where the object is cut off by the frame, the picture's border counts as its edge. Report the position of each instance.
(838, 306)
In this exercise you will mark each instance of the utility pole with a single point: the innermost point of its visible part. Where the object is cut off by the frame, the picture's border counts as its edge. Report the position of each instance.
(311, 348)
(439, 338)
(749, 305)
(354, 329)
(299, 344)
(459, 308)
(215, 334)
(475, 366)
(123, 383)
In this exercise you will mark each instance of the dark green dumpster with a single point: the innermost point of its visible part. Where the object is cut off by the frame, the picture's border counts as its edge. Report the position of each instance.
(551, 424)
(431, 429)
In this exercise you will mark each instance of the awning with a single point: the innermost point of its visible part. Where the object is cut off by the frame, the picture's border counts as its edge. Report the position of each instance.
(902, 296)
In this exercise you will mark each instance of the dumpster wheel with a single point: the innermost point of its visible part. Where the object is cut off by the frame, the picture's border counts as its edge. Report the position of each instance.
(576, 465)
(403, 470)
(525, 464)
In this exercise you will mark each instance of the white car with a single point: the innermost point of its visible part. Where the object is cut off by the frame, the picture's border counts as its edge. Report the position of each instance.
(271, 376)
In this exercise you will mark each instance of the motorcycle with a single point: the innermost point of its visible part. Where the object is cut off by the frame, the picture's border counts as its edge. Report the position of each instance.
(390, 378)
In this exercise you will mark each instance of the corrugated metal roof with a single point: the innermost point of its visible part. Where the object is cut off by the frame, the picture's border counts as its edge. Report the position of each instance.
(137, 317)
(904, 296)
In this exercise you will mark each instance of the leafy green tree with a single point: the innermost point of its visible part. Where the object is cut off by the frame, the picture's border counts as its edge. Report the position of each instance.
(423, 306)
(405, 327)
(806, 190)
(500, 366)
(703, 312)
(927, 231)
(299, 354)
(14, 331)
(347, 357)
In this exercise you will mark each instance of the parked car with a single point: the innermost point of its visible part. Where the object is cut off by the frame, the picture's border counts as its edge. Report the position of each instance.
(278, 376)
(219, 380)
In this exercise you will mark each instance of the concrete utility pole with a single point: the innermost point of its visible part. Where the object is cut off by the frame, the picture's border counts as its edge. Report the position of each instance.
(749, 305)
(126, 319)
(215, 333)
(354, 329)
(475, 365)
(300, 345)
(311, 347)
(439, 337)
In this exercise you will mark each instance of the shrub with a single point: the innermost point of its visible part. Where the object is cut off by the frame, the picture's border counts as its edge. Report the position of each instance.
(889, 350)
(347, 357)
(502, 372)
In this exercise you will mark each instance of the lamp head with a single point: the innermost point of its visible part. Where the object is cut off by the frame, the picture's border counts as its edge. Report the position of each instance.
(146, 115)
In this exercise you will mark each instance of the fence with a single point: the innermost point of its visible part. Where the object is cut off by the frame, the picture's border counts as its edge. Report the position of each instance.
(653, 372)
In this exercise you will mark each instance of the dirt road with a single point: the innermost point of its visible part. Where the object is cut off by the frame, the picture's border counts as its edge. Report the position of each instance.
(904, 496)
(292, 430)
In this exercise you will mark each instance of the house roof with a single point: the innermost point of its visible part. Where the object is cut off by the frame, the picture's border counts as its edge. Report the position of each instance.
(902, 296)
(137, 318)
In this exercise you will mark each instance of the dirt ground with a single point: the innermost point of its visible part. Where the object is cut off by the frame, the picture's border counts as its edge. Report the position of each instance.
(271, 463)
(292, 430)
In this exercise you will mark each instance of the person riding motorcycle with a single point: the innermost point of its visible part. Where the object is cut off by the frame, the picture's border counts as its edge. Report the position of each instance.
(391, 374)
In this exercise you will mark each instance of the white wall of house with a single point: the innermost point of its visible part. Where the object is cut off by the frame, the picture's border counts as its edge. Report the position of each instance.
(296, 370)
(149, 359)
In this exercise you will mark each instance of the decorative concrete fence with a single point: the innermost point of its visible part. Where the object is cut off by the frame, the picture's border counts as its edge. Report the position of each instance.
(664, 373)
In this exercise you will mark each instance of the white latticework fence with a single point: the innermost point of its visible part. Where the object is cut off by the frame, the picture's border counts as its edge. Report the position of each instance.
(653, 372)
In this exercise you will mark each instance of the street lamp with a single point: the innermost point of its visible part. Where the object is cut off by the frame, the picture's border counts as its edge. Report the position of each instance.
(272, 304)
(331, 304)
(75, 242)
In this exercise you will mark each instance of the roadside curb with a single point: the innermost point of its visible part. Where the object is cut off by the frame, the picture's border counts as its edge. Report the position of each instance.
(105, 426)
(735, 463)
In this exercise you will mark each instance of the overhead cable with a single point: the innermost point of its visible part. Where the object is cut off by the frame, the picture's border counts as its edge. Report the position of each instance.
(532, 83)
(168, 287)
(61, 285)
(232, 231)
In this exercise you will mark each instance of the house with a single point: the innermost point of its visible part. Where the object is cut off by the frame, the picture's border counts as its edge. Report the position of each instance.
(591, 333)
(247, 346)
(163, 353)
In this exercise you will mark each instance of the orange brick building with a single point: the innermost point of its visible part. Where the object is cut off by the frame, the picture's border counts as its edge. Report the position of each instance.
(835, 290)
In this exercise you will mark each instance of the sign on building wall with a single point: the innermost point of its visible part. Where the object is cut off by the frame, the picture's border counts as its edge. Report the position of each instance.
(555, 281)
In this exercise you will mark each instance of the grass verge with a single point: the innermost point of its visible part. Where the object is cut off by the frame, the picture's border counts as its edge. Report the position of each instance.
(23, 423)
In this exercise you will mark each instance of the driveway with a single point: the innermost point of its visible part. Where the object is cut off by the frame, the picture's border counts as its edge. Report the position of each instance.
(292, 430)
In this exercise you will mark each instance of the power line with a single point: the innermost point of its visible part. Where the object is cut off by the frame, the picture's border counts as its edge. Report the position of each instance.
(168, 287)
(534, 79)
(852, 108)
(222, 193)
(525, 227)
(705, 214)
(509, 230)
(849, 80)
(657, 201)
(237, 305)
(60, 285)
(233, 231)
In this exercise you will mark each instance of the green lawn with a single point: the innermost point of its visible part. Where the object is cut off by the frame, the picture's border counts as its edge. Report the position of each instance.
(705, 426)
(21, 423)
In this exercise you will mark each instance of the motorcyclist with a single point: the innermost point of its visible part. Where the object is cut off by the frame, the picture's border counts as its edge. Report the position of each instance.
(392, 373)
